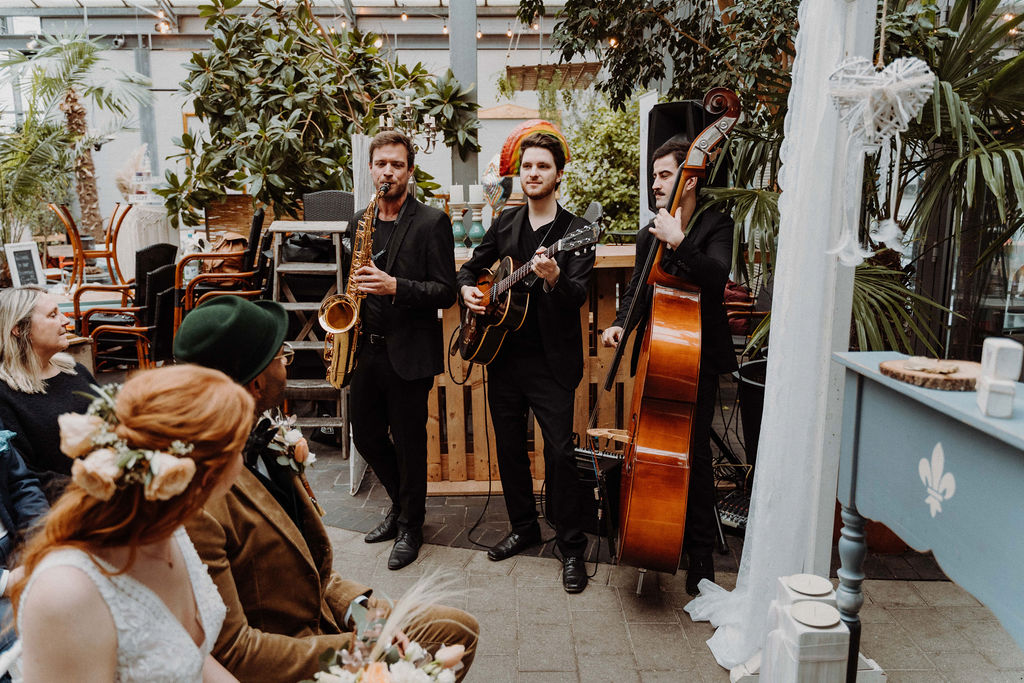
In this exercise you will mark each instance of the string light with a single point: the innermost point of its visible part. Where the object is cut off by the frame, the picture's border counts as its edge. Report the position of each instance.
(536, 26)
(405, 17)
(509, 31)
(613, 42)
(344, 24)
(479, 33)
(1007, 17)
(160, 14)
(444, 29)
(163, 26)
(378, 42)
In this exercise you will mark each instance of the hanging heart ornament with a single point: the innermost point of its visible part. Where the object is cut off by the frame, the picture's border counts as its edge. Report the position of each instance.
(877, 104)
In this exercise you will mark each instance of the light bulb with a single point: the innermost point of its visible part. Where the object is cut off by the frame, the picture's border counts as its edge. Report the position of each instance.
(509, 31)
(444, 29)
(1008, 17)
(378, 42)
(344, 24)
(536, 26)
(160, 14)
(479, 34)
(405, 17)
(613, 42)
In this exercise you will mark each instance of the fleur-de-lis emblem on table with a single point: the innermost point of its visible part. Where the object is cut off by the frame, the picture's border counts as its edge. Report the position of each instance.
(941, 486)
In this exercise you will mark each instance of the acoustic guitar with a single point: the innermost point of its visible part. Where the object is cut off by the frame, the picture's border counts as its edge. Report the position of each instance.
(481, 335)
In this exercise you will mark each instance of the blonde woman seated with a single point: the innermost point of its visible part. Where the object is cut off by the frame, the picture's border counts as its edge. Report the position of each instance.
(115, 590)
(40, 381)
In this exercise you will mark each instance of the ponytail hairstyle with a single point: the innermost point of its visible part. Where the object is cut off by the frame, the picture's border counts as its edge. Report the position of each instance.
(19, 364)
(154, 410)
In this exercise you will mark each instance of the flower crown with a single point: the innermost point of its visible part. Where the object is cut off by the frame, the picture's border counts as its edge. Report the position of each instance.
(104, 462)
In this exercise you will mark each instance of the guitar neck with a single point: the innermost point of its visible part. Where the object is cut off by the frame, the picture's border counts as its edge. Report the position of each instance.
(515, 276)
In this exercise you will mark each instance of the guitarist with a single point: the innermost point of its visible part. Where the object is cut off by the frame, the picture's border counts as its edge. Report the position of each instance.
(539, 365)
(700, 253)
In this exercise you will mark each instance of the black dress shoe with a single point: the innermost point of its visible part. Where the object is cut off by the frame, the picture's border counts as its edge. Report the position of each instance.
(386, 530)
(701, 567)
(574, 574)
(407, 548)
(513, 544)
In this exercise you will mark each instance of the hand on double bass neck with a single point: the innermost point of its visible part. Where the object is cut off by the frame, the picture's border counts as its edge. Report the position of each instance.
(545, 267)
(669, 228)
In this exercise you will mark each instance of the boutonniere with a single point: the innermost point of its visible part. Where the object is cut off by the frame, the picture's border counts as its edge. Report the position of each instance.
(287, 441)
(291, 447)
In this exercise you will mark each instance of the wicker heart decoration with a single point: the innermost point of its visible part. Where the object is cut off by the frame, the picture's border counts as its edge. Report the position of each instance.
(877, 105)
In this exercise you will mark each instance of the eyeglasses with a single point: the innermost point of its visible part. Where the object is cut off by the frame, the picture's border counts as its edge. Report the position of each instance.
(286, 355)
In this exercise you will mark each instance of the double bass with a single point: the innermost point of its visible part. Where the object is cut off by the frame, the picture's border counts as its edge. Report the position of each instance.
(656, 460)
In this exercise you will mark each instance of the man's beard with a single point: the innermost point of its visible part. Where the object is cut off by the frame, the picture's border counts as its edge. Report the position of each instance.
(542, 192)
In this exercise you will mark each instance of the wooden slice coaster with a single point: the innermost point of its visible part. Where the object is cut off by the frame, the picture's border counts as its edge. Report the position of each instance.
(962, 379)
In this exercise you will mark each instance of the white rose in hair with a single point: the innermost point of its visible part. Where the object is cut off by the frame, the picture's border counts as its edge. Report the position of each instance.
(97, 474)
(293, 436)
(76, 433)
(450, 655)
(171, 475)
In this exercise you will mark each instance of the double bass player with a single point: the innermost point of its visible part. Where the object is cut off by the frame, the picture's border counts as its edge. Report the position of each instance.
(700, 253)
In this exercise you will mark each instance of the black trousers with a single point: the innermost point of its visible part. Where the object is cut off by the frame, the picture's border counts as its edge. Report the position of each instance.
(700, 532)
(383, 402)
(513, 388)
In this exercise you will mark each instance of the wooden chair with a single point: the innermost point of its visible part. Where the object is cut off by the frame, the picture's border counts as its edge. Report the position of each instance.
(81, 255)
(127, 334)
(247, 283)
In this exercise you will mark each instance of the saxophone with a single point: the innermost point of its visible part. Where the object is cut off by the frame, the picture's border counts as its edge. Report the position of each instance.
(339, 313)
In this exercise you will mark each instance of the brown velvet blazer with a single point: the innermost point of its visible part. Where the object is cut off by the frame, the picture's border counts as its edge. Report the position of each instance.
(285, 604)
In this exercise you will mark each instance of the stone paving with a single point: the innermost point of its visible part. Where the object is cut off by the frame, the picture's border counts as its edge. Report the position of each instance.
(533, 632)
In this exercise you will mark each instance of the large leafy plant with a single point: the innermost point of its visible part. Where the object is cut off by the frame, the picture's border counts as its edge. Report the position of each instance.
(58, 80)
(605, 144)
(281, 97)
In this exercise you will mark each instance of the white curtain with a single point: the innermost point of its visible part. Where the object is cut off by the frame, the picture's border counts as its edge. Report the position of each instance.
(791, 470)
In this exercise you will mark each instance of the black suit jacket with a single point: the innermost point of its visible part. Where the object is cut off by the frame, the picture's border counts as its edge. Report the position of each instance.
(421, 257)
(21, 498)
(704, 258)
(558, 310)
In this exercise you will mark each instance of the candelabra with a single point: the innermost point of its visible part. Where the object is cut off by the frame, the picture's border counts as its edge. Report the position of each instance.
(406, 120)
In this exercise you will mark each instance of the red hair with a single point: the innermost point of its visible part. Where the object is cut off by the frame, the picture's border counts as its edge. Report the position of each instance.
(187, 403)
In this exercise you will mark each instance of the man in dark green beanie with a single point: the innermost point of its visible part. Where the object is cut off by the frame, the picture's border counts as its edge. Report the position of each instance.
(264, 543)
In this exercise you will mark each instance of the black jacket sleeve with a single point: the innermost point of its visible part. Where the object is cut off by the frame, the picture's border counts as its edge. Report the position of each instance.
(643, 245)
(438, 289)
(570, 291)
(706, 263)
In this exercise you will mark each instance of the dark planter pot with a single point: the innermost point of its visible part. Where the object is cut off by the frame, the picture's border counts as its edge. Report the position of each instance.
(89, 242)
(751, 376)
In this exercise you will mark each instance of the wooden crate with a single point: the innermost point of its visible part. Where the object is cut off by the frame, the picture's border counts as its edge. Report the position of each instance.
(457, 448)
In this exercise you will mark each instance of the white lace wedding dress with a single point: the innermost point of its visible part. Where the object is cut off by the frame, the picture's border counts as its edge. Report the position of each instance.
(152, 645)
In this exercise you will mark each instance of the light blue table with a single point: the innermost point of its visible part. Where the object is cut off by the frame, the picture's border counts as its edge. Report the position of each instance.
(942, 476)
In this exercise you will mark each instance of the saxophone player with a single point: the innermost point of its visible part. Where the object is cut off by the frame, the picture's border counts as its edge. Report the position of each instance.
(411, 276)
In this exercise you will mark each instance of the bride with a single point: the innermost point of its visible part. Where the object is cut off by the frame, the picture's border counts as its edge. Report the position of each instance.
(113, 589)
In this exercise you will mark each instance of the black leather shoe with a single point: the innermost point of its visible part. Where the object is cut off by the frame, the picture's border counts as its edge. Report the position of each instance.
(406, 550)
(386, 530)
(574, 574)
(701, 567)
(513, 544)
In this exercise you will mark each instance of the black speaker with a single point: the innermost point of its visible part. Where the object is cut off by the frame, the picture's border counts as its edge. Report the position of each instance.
(680, 121)
(600, 511)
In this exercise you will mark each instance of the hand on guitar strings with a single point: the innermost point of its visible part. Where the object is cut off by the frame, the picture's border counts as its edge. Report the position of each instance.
(473, 298)
(372, 280)
(545, 267)
(669, 228)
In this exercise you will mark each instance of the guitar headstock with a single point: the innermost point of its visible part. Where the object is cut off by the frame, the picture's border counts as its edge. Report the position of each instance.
(583, 237)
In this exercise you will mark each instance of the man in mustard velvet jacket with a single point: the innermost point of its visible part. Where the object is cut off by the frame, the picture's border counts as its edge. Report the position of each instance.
(263, 542)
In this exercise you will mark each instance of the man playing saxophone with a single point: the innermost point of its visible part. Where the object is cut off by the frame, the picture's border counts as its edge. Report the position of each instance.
(410, 277)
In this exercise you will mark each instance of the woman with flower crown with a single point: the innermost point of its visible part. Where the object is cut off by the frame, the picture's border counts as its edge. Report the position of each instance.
(113, 589)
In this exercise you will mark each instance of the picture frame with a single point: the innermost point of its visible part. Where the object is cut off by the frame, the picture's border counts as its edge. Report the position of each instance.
(24, 264)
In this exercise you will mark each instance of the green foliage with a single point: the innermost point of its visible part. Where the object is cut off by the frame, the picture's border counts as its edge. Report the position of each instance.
(682, 41)
(282, 97)
(37, 156)
(605, 144)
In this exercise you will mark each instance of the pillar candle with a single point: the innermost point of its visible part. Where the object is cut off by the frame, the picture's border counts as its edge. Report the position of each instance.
(456, 195)
(476, 194)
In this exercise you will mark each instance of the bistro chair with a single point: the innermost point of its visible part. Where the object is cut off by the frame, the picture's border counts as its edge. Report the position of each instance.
(82, 255)
(127, 335)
